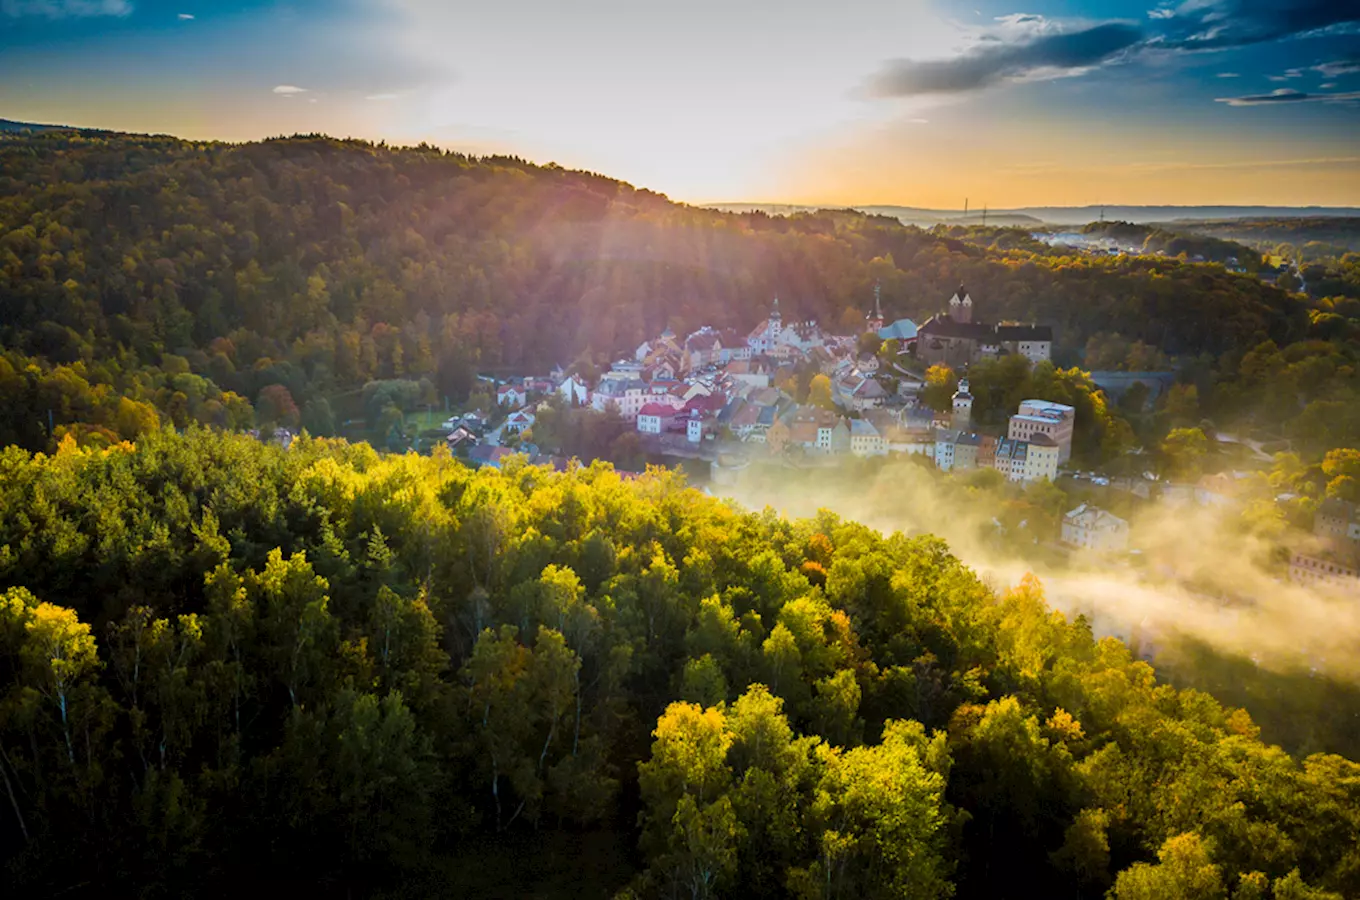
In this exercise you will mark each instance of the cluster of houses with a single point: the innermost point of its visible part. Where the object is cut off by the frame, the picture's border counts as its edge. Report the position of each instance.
(1038, 439)
(689, 390)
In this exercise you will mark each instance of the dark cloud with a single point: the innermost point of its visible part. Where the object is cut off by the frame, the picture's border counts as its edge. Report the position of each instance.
(1287, 95)
(1197, 25)
(1187, 26)
(991, 62)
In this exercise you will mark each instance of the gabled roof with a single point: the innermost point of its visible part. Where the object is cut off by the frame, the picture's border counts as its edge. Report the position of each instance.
(488, 454)
(663, 410)
(1024, 333)
(944, 326)
(703, 342)
(869, 389)
(706, 403)
(1087, 516)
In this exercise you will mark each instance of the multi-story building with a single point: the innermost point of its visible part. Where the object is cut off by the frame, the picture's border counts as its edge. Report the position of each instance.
(1328, 574)
(1025, 461)
(1337, 524)
(833, 437)
(1055, 420)
(655, 418)
(865, 439)
(960, 450)
(626, 396)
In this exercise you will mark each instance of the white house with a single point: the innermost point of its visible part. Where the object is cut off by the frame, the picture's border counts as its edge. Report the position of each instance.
(833, 437)
(574, 391)
(519, 420)
(1025, 461)
(1091, 528)
(625, 395)
(654, 418)
(511, 395)
(944, 451)
(865, 439)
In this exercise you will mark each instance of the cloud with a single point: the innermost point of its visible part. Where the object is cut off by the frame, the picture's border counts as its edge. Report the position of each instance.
(1023, 47)
(1288, 95)
(65, 9)
(186, 17)
(985, 64)
(289, 90)
(382, 97)
(1338, 67)
(1215, 24)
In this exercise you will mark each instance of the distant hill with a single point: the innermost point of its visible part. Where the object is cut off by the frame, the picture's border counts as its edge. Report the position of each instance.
(1061, 215)
(8, 126)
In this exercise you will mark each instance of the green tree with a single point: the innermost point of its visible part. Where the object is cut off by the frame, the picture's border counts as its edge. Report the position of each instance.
(1183, 872)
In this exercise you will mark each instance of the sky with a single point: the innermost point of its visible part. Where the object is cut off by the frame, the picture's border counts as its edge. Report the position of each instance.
(853, 102)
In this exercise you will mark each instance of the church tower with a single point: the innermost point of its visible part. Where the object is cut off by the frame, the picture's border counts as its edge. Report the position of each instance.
(962, 419)
(961, 306)
(874, 320)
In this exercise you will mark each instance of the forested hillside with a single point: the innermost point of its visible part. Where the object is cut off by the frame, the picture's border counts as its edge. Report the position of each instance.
(225, 664)
(147, 279)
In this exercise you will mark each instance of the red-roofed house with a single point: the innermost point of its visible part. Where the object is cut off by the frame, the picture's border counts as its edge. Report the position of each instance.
(654, 418)
(519, 420)
(511, 395)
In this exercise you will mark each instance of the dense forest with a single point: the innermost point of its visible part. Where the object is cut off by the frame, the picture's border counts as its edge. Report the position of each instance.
(148, 280)
(225, 664)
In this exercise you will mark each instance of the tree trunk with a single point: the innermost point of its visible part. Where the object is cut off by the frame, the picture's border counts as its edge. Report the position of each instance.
(13, 800)
(576, 738)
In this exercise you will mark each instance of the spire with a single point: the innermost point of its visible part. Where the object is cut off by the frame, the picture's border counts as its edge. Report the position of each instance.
(774, 314)
(878, 299)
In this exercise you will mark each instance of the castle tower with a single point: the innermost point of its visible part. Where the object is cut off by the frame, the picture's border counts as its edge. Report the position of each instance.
(775, 317)
(874, 320)
(962, 419)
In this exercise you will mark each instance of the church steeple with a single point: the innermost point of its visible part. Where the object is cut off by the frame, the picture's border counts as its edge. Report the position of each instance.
(874, 320)
(774, 313)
